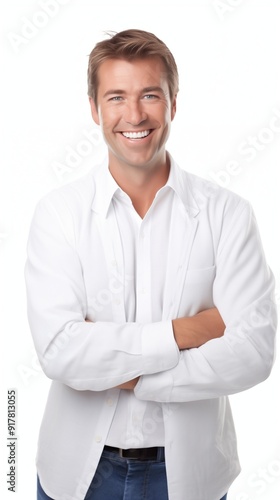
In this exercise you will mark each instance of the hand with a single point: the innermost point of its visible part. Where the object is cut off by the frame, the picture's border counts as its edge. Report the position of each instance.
(194, 331)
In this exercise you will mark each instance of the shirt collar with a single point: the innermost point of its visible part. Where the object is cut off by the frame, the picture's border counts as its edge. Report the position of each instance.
(106, 187)
(179, 182)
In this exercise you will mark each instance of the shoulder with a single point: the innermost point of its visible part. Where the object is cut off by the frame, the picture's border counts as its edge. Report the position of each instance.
(209, 196)
(75, 199)
(66, 209)
(78, 193)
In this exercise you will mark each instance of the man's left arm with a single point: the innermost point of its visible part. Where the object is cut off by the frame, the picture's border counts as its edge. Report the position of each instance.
(243, 292)
(192, 331)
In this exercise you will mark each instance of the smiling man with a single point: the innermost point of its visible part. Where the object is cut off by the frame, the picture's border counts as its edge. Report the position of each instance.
(134, 108)
(149, 301)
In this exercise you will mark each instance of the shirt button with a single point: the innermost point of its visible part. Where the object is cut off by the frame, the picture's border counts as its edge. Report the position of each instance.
(109, 402)
(98, 439)
(117, 302)
(114, 263)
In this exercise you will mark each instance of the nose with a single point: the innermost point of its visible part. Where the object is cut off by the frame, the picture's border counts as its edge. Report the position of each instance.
(134, 113)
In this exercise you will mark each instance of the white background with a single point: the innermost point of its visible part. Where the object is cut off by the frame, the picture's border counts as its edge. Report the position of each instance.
(228, 58)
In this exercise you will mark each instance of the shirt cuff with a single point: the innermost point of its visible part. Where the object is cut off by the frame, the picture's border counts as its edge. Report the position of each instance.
(157, 387)
(159, 348)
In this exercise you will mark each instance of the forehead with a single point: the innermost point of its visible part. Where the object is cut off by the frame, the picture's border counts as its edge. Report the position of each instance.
(141, 73)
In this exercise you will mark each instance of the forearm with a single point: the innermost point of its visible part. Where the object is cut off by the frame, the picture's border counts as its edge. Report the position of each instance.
(240, 359)
(194, 331)
(190, 332)
(243, 290)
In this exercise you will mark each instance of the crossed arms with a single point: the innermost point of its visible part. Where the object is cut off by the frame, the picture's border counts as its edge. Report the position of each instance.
(204, 361)
(190, 332)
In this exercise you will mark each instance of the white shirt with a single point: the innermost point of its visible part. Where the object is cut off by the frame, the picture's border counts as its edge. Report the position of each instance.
(136, 423)
(78, 268)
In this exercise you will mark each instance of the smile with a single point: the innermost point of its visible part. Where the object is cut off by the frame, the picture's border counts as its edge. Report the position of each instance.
(136, 135)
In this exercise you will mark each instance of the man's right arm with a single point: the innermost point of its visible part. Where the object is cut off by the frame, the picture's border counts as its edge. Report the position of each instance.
(85, 356)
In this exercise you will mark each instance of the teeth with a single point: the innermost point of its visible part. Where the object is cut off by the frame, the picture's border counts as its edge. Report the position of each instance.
(136, 135)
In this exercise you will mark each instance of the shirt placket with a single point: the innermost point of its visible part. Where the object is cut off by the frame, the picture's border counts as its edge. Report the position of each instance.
(143, 274)
(143, 315)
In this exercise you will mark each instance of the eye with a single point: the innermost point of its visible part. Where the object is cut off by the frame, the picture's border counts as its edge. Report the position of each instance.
(116, 98)
(150, 96)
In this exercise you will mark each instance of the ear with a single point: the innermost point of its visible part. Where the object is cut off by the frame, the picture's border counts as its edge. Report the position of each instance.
(94, 111)
(173, 107)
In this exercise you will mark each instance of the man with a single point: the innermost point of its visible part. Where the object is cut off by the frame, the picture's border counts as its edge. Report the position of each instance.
(149, 301)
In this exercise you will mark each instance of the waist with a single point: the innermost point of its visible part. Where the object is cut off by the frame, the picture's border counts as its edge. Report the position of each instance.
(154, 453)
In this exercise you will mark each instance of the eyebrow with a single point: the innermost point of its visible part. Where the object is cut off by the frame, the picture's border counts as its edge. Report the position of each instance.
(114, 91)
(145, 90)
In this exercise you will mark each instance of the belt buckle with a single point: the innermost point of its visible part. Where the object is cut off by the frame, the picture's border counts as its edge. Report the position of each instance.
(122, 454)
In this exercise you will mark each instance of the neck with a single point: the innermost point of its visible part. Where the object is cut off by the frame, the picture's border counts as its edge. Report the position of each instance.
(141, 184)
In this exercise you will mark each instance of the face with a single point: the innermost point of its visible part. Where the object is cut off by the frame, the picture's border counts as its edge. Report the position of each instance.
(134, 111)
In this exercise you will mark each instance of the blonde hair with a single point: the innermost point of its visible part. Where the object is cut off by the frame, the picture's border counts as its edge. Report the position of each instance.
(131, 44)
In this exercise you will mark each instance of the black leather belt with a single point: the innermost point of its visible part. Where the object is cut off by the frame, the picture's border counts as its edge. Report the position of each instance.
(136, 453)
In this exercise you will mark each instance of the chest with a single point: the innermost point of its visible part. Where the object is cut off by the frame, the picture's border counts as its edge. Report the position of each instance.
(153, 269)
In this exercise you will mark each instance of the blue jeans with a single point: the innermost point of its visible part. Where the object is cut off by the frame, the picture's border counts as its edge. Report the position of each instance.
(118, 478)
